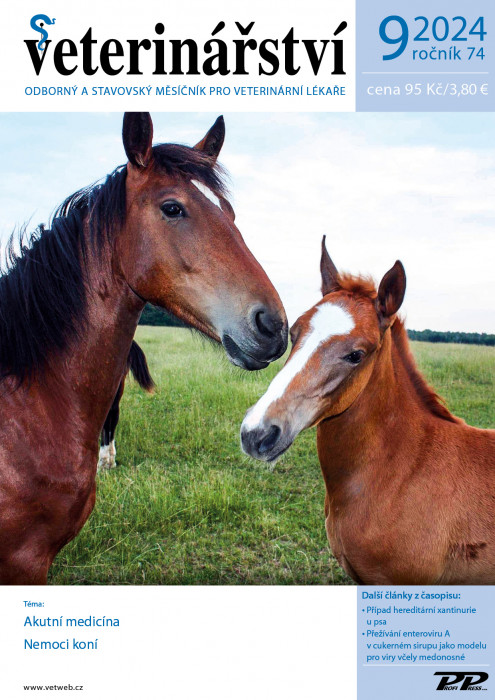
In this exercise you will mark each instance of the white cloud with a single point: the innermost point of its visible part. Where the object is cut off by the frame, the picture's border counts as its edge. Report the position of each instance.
(431, 207)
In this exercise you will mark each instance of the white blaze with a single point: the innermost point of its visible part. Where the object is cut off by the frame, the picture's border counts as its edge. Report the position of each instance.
(209, 194)
(328, 320)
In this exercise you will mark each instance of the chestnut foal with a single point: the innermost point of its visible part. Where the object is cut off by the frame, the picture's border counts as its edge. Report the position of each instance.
(410, 488)
(159, 229)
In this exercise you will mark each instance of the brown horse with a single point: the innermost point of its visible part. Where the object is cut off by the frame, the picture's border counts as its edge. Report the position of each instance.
(69, 307)
(410, 489)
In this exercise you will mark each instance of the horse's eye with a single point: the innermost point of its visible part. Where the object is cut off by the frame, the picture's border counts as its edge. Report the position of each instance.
(355, 357)
(172, 210)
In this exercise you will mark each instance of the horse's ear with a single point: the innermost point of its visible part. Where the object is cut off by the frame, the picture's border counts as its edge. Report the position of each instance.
(212, 143)
(137, 135)
(329, 273)
(391, 292)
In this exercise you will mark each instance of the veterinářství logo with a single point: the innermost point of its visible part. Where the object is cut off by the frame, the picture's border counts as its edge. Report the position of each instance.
(240, 55)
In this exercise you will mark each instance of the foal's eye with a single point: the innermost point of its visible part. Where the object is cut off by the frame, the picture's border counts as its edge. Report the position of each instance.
(172, 210)
(355, 357)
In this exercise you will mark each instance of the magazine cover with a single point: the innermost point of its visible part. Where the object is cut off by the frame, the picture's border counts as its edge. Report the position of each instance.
(247, 350)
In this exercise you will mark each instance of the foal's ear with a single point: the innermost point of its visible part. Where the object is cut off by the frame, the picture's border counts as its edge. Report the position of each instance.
(212, 143)
(329, 273)
(391, 292)
(137, 135)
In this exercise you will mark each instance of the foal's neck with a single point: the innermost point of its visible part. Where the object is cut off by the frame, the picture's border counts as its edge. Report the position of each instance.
(384, 418)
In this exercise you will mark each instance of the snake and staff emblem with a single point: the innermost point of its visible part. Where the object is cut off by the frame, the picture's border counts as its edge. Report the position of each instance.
(42, 19)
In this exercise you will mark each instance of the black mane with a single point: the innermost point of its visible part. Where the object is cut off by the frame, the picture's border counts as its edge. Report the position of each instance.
(42, 291)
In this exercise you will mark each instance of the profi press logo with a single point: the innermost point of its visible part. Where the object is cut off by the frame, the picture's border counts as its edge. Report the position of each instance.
(218, 55)
(469, 680)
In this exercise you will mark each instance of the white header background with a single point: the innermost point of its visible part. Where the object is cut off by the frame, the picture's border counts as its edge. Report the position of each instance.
(194, 19)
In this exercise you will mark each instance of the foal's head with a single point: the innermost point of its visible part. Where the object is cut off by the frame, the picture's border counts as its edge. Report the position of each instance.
(334, 349)
(180, 248)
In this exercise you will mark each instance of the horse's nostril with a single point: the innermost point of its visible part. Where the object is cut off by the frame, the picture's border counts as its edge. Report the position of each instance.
(267, 324)
(269, 440)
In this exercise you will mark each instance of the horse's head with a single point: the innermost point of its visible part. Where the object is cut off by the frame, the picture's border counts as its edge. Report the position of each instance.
(334, 349)
(180, 248)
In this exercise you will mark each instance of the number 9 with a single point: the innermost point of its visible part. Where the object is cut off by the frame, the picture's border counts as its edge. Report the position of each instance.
(402, 39)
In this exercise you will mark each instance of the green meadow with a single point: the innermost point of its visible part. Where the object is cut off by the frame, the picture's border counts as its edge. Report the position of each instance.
(185, 506)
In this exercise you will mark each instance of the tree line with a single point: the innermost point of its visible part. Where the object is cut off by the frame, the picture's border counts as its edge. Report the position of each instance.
(452, 337)
(153, 316)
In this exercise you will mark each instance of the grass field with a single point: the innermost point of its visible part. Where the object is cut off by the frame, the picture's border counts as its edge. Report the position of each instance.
(185, 506)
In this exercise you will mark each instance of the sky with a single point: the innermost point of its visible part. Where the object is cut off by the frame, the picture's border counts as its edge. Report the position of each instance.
(382, 187)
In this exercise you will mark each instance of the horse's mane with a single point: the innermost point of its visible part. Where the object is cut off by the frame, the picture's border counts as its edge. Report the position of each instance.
(364, 287)
(360, 286)
(42, 289)
(182, 161)
(433, 402)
